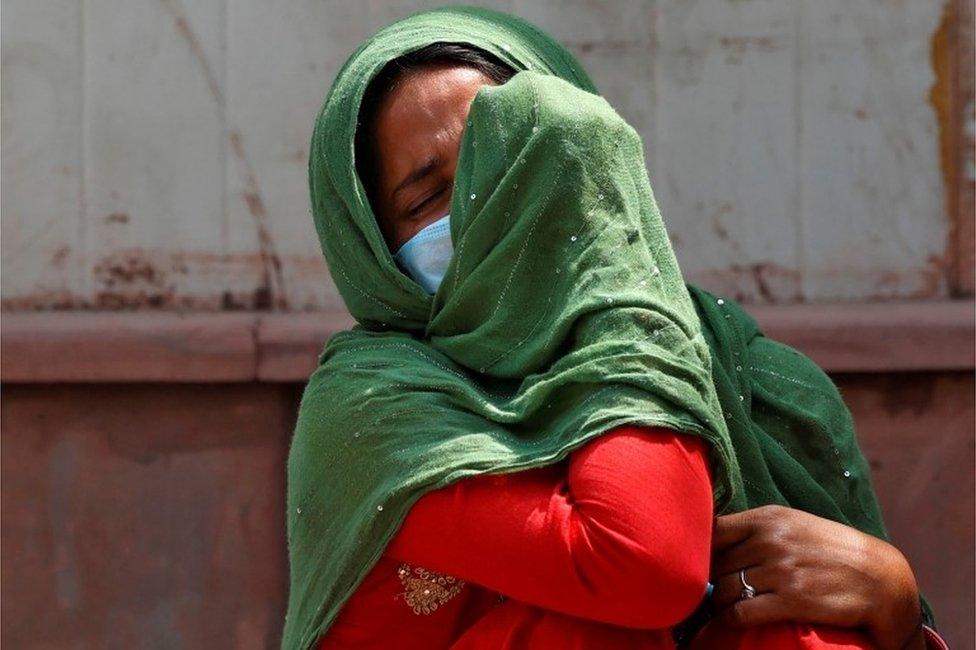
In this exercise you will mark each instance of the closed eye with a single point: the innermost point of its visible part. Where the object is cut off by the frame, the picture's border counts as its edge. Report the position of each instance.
(417, 209)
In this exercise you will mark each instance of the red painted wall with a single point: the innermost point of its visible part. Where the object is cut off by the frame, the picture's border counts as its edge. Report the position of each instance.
(151, 515)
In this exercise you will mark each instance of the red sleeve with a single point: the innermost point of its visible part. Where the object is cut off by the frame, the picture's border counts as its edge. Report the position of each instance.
(621, 537)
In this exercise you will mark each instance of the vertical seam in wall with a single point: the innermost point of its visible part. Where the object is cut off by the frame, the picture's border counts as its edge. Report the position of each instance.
(257, 352)
(960, 197)
(224, 131)
(798, 207)
(83, 154)
(655, 70)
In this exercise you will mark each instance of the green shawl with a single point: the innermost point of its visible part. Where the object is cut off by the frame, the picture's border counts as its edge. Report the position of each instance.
(562, 315)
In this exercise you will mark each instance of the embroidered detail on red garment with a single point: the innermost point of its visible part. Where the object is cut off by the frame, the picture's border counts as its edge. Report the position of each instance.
(424, 591)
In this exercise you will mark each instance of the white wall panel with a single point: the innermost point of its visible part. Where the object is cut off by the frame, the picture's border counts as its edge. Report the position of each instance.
(154, 179)
(726, 149)
(42, 201)
(154, 151)
(873, 208)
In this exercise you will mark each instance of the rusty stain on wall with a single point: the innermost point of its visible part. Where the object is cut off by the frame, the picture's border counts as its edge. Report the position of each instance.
(137, 301)
(196, 47)
(940, 96)
(965, 112)
(953, 104)
(137, 278)
(271, 294)
(272, 290)
(133, 300)
(759, 282)
(131, 279)
(932, 276)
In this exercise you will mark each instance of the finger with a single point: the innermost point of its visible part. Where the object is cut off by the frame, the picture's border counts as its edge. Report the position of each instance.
(731, 559)
(728, 587)
(732, 529)
(761, 610)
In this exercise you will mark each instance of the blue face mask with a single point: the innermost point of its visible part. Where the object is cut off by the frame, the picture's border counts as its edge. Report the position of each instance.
(425, 256)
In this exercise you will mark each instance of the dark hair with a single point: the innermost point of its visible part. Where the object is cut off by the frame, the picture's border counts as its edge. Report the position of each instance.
(435, 54)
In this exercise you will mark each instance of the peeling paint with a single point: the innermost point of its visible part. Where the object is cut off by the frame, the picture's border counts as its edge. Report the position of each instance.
(150, 279)
(130, 279)
(931, 276)
(137, 301)
(951, 98)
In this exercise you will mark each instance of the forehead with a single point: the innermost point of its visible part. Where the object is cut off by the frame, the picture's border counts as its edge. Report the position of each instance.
(430, 86)
(424, 107)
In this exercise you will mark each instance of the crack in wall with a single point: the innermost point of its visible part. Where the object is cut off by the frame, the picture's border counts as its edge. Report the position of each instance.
(271, 293)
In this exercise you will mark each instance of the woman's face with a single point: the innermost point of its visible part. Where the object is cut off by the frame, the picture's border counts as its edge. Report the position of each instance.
(416, 139)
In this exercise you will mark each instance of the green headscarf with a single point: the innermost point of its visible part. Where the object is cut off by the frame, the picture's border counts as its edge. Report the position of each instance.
(562, 315)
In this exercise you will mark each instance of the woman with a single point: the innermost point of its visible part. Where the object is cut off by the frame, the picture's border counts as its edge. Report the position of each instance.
(539, 344)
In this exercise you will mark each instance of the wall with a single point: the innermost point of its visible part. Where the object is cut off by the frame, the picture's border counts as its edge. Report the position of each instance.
(151, 516)
(155, 150)
(143, 462)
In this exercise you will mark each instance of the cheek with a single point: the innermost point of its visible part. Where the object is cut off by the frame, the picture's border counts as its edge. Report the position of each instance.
(391, 233)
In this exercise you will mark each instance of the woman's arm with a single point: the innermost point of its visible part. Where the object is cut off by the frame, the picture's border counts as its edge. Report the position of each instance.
(812, 570)
(622, 537)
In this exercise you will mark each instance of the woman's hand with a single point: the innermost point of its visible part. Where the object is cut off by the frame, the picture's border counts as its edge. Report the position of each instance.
(806, 569)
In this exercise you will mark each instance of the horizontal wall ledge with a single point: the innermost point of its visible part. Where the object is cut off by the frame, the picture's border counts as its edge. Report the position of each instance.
(283, 347)
(118, 346)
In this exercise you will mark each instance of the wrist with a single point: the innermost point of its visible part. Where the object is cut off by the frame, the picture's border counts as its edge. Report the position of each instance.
(896, 622)
(917, 640)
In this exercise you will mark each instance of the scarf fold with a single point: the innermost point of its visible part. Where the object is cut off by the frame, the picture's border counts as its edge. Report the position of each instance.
(562, 315)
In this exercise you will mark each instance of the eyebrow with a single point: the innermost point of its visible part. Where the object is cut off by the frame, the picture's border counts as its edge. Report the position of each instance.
(417, 175)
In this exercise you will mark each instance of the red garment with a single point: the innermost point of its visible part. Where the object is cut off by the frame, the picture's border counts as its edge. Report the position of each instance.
(606, 550)
(793, 637)
(783, 636)
(620, 533)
